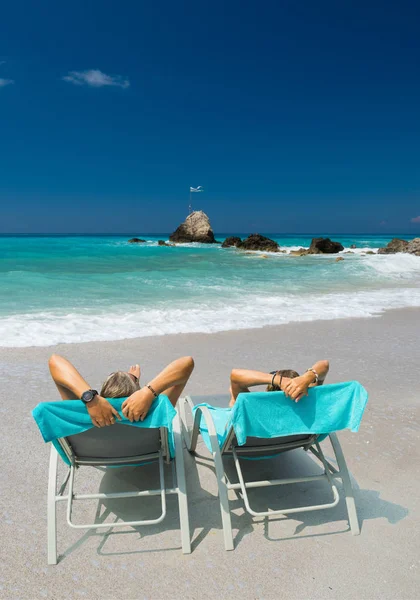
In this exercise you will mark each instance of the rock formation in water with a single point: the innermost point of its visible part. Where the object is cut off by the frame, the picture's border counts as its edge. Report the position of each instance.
(394, 246)
(398, 245)
(163, 243)
(324, 246)
(231, 241)
(255, 241)
(319, 246)
(136, 241)
(195, 228)
(414, 247)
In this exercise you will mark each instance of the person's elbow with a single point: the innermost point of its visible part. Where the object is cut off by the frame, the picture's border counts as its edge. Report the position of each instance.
(325, 365)
(54, 361)
(187, 364)
(235, 375)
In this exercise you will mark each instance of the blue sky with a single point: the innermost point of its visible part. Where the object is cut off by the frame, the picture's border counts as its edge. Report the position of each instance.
(294, 116)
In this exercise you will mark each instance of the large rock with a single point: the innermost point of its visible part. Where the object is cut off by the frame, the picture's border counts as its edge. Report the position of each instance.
(394, 246)
(195, 228)
(136, 241)
(231, 241)
(324, 246)
(414, 247)
(255, 241)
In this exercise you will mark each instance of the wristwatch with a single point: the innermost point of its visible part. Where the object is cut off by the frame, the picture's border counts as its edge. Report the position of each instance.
(315, 373)
(88, 396)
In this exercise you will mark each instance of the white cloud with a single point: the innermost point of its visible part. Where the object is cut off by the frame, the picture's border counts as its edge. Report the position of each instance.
(415, 219)
(95, 78)
(4, 82)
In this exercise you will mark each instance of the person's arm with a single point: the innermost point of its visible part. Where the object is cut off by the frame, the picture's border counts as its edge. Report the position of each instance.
(298, 387)
(242, 379)
(173, 377)
(71, 386)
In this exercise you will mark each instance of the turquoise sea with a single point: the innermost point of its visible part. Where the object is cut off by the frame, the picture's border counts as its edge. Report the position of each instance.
(67, 289)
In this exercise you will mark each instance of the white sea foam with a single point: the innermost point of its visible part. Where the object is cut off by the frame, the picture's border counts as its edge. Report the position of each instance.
(49, 328)
(363, 250)
(395, 266)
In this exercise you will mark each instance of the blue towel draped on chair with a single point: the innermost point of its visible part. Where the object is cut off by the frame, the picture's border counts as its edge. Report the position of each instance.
(326, 409)
(63, 418)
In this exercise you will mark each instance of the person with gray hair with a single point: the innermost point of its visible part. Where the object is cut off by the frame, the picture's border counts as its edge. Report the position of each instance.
(120, 384)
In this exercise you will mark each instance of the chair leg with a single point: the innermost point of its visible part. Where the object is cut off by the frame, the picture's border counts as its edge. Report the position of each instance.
(347, 485)
(51, 508)
(191, 441)
(182, 488)
(224, 501)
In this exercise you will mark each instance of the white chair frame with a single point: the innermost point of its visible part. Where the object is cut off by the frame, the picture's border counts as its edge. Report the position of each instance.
(330, 473)
(178, 472)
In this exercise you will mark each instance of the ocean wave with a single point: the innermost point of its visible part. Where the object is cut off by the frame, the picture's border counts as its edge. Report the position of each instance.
(48, 328)
(395, 266)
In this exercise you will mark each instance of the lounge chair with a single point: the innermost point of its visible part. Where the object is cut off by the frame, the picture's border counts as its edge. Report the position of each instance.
(157, 439)
(264, 424)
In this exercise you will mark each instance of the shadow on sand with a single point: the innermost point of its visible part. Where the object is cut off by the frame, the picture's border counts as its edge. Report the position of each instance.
(204, 505)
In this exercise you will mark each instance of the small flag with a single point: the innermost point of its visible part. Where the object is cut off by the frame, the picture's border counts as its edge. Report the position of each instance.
(197, 189)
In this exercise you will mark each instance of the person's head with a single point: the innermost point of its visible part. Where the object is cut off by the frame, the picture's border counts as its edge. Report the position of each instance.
(119, 385)
(290, 373)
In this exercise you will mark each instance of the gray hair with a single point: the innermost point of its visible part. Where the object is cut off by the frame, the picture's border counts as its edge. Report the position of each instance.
(118, 385)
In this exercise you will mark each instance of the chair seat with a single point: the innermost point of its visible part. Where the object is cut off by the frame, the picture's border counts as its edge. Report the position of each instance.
(270, 446)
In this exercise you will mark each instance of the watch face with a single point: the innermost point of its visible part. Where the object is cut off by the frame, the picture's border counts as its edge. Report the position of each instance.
(88, 396)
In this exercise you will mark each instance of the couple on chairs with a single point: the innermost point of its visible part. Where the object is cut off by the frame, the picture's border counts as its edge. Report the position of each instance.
(170, 382)
(283, 428)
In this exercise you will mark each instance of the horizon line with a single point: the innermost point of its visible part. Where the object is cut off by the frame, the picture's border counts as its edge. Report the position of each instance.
(137, 233)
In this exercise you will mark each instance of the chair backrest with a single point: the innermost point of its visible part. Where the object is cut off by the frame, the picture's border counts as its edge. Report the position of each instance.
(116, 444)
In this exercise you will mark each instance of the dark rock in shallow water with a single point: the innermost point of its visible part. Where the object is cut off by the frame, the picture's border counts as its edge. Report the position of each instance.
(195, 228)
(324, 246)
(136, 241)
(394, 246)
(339, 258)
(162, 243)
(231, 241)
(255, 241)
(414, 247)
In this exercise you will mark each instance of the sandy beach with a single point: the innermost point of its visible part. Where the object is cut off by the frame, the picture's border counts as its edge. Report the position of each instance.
(310, 556)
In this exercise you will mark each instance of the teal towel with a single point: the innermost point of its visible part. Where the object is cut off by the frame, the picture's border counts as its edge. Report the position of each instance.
(326, 409)
(63, 418)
